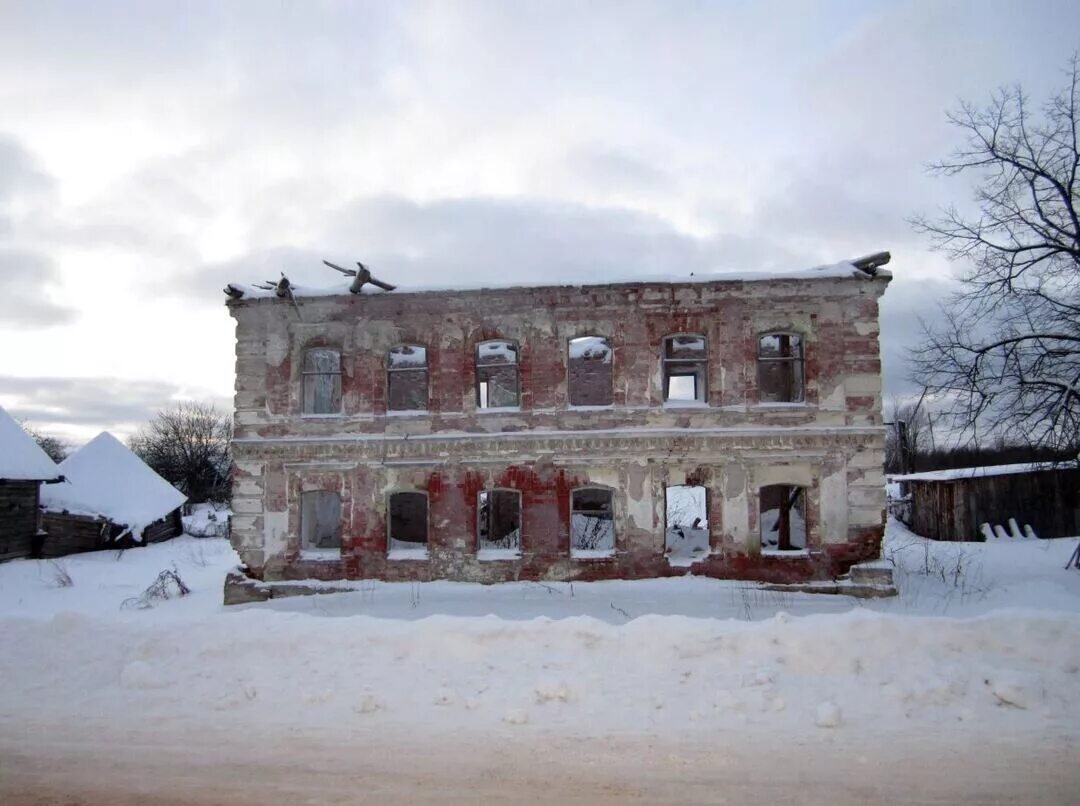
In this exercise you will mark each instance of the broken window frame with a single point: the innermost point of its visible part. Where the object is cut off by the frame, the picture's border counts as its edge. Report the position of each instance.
(796, 363)
(668, 526)
(483, 396)
(413, 550)
(496, 552)
(570, 387)
(696, 368)
(392, 372)
(592, 553)
(795, 498)
(306, 547)
(308, 398)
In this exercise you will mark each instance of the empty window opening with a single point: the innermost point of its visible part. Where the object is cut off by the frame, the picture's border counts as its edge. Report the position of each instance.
(321, 387)
(686, 537)
(407, 378)
(408, 525)
(685, 362)
(780, 368)
(497, 375)
(499, 523)
(320, 521)
(592, 523)
(589, 375)
(783, 518)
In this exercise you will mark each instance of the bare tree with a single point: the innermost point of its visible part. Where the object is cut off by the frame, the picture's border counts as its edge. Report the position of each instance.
(188, 445)
(54, 447)
(1008, 362)
(909, 436)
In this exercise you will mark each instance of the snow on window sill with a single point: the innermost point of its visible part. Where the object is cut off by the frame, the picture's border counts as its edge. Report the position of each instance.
(686, 404)
(407, 413)
(320, 554)
(499, 410)
(488, 555)
(608, 407)
(310, 415)
(797, 404)
(407, 554)
(795, 553)
(686, 560)
(592, 554)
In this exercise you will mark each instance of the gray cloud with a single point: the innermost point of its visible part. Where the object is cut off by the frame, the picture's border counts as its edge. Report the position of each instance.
(101, 402)
(909, 302)
(25, 278)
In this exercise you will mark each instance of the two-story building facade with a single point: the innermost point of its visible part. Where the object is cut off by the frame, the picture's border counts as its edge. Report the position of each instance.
(728, 426)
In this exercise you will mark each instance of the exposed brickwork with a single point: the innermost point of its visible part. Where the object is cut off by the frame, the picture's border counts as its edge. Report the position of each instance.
(831, 444)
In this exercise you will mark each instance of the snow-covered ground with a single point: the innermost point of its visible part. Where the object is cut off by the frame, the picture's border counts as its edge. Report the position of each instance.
(981, 648)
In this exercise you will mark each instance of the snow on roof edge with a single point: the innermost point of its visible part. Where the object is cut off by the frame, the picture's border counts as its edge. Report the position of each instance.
(957, 473)
(843, 270)
(21, 458)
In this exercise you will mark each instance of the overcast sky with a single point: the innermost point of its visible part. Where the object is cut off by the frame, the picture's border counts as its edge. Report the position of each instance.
(151, 152)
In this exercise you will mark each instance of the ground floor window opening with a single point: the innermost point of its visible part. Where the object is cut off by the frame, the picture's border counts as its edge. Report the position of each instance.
(499, 529)
(408, 525)
(592, 523)
(782, 518)
(320, 522)
(686, 535)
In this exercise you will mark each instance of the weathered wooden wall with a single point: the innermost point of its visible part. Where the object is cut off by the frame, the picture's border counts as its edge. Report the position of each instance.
(72, 534)
(1048, 500)
(18, 518)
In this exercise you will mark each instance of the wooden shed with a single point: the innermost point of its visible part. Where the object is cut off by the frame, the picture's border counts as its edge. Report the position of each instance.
(24, 467)
(955, 504)
(110, 499)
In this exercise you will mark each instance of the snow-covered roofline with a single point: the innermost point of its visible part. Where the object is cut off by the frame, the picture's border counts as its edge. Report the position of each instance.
(21, 458)
(866, 268)
(104, 478)
(956, 473)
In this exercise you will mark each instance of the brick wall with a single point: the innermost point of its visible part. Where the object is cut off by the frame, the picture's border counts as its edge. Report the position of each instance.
(831, 444)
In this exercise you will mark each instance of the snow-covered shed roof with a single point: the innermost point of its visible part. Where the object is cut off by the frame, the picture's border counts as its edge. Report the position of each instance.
(105, 478)
(866, 267)
(21, 458)
(956, 473)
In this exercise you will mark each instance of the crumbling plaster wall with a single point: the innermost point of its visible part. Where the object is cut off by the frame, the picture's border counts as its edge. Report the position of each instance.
(831, 444)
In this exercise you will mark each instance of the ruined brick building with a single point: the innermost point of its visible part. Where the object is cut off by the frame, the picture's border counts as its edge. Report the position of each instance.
(728, 427)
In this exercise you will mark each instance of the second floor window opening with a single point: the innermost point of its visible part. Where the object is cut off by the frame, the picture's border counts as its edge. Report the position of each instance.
(407, 378)
(780, 368)
(497, 375)
(685, 363)
(321, 388)
(589, 371)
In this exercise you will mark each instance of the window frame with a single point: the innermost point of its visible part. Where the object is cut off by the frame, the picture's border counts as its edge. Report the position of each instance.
(478, 368)
(611, 385)
(796, 363)
(305, 373)
(391, 370)
(407, 553)
(309, 551)
(592, 554)
(497, 553)
(700, 373)
(793, 551)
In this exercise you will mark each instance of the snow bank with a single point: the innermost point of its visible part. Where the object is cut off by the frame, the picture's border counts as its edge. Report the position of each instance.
(21, 459)
(104, 478)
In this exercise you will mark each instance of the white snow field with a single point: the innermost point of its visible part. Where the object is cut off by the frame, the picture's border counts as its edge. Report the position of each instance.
(966, 688)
